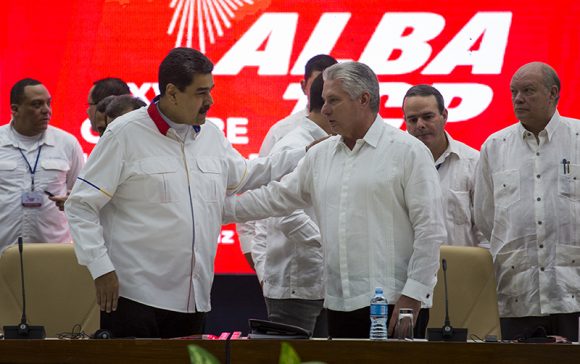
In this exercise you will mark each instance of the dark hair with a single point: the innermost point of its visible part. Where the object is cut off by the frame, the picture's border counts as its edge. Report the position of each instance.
(315, 102)
(120, 105)
(318, 63)
(107, 87)
(17, 91)
(102, 105)
(426, 90)
(179, 67)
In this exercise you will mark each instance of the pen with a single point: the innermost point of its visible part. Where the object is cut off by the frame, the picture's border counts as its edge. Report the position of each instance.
(564, 163)
(49, 193)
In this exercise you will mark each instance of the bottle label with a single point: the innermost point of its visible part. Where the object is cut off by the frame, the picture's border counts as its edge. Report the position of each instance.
(379, 310)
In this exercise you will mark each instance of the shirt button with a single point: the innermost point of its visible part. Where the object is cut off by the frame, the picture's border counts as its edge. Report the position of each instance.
(541, 246)
(542, 269)
(539, 223)
(539, 199)
(537, 176)
(428, 295)
(538, 153)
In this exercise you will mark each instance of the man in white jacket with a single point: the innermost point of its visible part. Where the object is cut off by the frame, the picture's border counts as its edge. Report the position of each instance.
(145, 213)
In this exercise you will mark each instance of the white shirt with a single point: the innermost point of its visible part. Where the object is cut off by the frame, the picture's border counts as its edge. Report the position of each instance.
(286, 250)
(530, 210)
(378, 208)
(456, 167)
(246, 231)
(158, 220)
(280, 129)
(59, 163)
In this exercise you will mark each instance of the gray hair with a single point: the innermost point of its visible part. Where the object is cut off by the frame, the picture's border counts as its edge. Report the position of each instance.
(357, 78)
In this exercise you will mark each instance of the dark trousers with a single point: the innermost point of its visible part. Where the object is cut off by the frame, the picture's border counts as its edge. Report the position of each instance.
(133, 319)
(561, 324)
(357, 323)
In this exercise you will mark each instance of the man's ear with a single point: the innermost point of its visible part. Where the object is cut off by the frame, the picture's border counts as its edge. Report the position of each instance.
(303, 86)
(445, 113)
(554, 93)
(365, 98)
(14, 108)
(171, 92)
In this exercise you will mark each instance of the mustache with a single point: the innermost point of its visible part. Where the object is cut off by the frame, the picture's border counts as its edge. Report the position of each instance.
(204, 109)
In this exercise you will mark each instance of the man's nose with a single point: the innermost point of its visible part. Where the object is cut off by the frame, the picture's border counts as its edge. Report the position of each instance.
(421, 123)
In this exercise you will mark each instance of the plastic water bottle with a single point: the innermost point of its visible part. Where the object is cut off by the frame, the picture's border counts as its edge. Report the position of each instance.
(379, 314)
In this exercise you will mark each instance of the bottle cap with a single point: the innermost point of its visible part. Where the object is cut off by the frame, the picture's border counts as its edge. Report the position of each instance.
(379, 290)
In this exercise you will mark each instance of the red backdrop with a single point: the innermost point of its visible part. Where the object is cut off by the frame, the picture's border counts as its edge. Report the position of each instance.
(468, 49)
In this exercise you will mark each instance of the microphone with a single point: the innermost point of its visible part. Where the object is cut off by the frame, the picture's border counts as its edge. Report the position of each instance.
(23, 330)
(447, 332)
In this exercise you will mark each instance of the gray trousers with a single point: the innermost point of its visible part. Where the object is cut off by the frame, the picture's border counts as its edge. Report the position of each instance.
(307, 314)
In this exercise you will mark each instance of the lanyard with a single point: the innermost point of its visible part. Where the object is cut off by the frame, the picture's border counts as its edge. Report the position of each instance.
(32, 170)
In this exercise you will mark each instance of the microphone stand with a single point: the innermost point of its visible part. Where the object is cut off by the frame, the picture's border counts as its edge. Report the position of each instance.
(23, 330)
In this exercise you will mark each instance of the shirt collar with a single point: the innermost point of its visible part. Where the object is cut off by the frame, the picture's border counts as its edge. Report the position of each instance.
(371, 137)
(313, 129)
(160, 120)
(451, 149)
(8, 138)
(550, 129)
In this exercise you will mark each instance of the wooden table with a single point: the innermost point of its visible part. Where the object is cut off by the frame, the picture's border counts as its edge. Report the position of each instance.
(267, 351)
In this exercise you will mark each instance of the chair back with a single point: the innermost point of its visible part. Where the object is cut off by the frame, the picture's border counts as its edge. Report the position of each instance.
(471, 286)
(60, 293)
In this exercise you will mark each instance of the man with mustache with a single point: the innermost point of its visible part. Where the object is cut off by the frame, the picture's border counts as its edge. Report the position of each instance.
(146, 212)
(527, 203)
(36, 159)
(425, 117)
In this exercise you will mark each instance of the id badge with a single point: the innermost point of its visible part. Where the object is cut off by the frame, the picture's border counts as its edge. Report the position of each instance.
(31, 199)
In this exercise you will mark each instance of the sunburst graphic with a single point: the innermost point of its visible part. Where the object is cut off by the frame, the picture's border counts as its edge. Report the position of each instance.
(208, 16)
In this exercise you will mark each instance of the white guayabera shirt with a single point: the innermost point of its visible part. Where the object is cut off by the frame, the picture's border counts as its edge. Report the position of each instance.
(456, 167)
(378, 208)
(246, 231)
(286, 250)
(528, 206)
